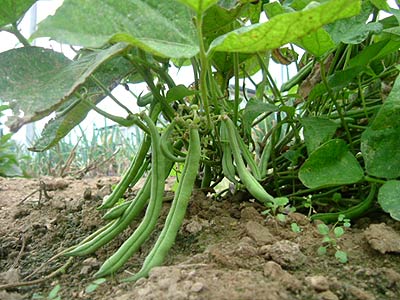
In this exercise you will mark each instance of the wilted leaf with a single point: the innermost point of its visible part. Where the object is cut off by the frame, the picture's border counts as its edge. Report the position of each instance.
(330, 164)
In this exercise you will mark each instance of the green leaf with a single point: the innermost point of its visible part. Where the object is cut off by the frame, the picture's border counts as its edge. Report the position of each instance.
(341, 256)
(253, 109)
(163, 28)
(388, 198)
(374, 52)
(37, 81)
(381, 4)
(317, 131)
(179, 92)
(110, 74)
(338, 231)
(53, 293)
(323, 229)
(284, 28)
(380, 142)
(317, 43)
(330, 164)
(199, 5)
(321, 250)
(31, 81)
(356, 29)
(12, 10)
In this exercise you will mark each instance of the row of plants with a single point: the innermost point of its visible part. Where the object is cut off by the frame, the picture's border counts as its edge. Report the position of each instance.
(326, 141)
(106, 151)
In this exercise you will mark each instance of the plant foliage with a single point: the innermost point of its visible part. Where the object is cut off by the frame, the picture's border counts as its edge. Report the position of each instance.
(327, 137)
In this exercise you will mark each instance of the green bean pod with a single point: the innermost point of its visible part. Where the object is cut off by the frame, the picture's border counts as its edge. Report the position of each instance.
(116, 211)
(351, 213)
(178, 209)
(228, 168)
(134, 209)
(129, 176)
(248, 157)
(251, 183)
(166, 146)
(145, 228)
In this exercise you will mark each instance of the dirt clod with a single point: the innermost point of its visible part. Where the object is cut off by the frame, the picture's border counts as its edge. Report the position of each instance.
(259, 233)
(225, 250)
(383, 238)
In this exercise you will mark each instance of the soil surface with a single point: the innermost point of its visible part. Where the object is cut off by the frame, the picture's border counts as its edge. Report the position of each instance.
(225, 250)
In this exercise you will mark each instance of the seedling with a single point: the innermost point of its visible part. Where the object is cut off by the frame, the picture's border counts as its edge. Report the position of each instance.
(94, 285)
(276, 208)
(53, 294)
(331, 237)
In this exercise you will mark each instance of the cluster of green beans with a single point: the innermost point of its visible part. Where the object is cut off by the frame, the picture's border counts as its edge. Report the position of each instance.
(234, 150)
(151, 194)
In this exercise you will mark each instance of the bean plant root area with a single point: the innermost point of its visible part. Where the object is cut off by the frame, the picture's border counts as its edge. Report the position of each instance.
(226, 249)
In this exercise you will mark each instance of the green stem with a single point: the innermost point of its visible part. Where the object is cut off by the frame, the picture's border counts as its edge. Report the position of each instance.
(14, 30)
(237, 88)
(109, 94)
(204, 69)
(338, 107)
(374, 180)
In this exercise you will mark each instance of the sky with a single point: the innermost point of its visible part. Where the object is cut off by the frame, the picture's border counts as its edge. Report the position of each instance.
(45, 8)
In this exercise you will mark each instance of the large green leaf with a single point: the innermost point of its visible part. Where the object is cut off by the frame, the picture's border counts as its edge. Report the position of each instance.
(110, 74)
(317, 43)
(199, 5)
(164, 28)
(30, 81)
(380, 142)
(356, 29)
(285, 28)
(331, 164)
(388, 198)
(317, 131)
(37, 81)
(12, 10)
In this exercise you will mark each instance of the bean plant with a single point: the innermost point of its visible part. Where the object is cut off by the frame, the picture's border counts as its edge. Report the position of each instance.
(328, 136)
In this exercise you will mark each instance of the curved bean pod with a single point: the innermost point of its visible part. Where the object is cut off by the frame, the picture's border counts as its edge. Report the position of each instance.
(251, 183)
(145, 228)
(351, 213)
(178, 209)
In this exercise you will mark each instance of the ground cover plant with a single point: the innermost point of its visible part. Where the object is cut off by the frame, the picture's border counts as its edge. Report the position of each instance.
(325, 139)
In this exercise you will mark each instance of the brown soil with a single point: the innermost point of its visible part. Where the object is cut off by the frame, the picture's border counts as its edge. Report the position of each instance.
(225, 250)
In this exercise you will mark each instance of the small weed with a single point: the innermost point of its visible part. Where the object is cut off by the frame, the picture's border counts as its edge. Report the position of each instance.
(276, 208)
(296, 228)
(94, 285)
(331, 237)
(53, 294)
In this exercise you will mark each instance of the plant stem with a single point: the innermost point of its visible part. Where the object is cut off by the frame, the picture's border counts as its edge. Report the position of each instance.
(237, 88)
(109, 94)
(204, 69)
(14, 30)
